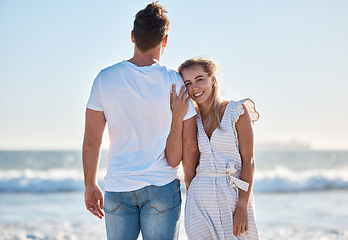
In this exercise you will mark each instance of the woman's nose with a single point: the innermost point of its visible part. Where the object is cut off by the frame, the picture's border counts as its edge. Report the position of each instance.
(194, 86)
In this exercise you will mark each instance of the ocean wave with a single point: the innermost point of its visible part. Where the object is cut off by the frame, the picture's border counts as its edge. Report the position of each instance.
(265, 181)
(38, 181)
(285, 180)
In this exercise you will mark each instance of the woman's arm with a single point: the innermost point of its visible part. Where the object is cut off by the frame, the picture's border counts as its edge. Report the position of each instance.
(246, 150)
(179, 105)
(190, 150)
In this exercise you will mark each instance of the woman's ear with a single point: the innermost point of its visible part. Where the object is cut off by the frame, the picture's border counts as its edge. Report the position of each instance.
(214, 82)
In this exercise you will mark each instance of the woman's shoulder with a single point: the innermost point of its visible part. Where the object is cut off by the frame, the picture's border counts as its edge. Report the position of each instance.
(224, 104)
(248, 105)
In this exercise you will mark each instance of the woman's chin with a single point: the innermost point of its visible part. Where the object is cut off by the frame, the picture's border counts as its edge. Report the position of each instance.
(199, 100)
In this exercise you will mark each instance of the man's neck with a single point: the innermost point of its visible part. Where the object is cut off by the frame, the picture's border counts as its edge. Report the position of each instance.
(147, 58)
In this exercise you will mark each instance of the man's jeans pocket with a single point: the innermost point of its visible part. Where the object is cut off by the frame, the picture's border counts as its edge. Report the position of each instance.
(165, 197)
(112, 202)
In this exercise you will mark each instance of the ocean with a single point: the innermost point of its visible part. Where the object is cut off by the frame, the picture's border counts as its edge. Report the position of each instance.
(298, 195)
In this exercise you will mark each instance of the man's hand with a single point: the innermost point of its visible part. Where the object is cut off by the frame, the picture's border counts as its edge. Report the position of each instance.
(94, 201)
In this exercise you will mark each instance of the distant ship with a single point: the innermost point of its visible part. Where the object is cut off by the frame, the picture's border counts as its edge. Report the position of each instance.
(276, 146)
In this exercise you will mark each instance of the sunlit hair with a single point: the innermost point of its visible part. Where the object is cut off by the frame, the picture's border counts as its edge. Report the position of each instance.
(150, 26)
(215, 105)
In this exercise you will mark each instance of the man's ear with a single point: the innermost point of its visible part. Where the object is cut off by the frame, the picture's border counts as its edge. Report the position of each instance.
(165, 40)
(132, 37)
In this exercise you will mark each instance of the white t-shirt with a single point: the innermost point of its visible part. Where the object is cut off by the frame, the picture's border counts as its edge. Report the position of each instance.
(136, 104)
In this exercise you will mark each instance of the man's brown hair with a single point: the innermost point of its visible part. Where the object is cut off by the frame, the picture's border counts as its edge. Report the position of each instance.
(150, 27)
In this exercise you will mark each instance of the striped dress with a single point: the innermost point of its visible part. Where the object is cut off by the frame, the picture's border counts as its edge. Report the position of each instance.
(211, 201)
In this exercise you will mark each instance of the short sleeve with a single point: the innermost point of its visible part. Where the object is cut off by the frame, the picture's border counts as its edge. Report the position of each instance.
(94, 102)
(191, 111)
(239, 110)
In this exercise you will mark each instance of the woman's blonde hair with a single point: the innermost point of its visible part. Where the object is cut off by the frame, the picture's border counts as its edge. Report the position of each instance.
(215, 105)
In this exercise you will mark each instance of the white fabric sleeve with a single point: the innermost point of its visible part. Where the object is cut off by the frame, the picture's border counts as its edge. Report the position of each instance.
(191, 111)
(250, 107)
(94, 102)
(238, 110)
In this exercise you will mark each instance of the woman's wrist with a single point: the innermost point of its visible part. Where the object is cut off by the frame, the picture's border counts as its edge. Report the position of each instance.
(178, 117)
(242, 204)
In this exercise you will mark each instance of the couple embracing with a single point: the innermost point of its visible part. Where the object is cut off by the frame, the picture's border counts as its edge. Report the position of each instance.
(153, 127)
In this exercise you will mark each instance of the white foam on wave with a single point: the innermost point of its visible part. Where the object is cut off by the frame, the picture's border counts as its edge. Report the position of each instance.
(286, 180)
(53, 231)
(273, 180)
(39, 181)
(301, 232)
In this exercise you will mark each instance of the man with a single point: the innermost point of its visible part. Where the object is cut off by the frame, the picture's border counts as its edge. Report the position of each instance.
(133, 97)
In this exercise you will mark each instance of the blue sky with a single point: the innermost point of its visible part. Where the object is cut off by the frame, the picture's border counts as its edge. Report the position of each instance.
(290, 57)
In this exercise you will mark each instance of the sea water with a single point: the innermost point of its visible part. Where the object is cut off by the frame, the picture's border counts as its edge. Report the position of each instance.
(298, 195)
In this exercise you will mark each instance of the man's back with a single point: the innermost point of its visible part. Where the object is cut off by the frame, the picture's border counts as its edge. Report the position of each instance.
(133, 98)
(136, 104)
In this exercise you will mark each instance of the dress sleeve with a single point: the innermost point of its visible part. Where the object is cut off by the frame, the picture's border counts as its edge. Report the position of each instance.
(249, 105)
(237, 110)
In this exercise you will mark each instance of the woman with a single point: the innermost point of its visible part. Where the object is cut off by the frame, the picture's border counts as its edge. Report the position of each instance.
(219, 203)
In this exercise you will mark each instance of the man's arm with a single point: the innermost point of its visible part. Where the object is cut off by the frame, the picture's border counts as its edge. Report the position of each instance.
(190, 150)
(94, 129)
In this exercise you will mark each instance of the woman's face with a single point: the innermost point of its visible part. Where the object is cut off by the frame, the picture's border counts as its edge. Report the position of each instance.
(198, 84)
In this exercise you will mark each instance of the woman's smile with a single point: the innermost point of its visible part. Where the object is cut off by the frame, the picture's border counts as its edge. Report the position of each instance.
(198, 94)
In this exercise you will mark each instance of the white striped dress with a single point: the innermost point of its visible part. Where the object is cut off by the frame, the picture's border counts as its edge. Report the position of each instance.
(211, 201)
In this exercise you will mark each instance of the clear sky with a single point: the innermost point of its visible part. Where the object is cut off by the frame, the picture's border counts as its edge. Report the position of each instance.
(290, 57)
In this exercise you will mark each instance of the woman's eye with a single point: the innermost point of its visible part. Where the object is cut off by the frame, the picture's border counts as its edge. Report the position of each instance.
(200, 79)
(187, 84)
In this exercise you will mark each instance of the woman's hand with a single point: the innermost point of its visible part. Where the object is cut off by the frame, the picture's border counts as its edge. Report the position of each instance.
(179, 104)
(240, 220)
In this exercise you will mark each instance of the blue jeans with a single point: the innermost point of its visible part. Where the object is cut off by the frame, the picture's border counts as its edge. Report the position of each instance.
(153, 210)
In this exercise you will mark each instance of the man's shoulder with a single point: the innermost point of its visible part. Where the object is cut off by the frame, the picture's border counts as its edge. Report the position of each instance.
(110, 72)
(171, 72)
(168, 69)
(114, 67)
